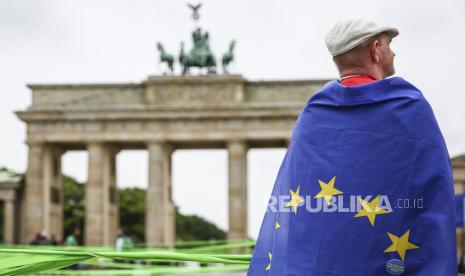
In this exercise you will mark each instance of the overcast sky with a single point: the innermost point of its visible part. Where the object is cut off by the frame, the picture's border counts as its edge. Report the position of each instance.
(113, 41)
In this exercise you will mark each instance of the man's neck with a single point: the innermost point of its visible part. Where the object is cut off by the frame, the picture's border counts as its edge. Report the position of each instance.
(355, 80)
(373, 73)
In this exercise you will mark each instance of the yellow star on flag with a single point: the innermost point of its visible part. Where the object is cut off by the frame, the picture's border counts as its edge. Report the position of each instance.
(400, 244)
(296, 200)
(277, 226)
(268, 267)
(370, 209)
(327, 190)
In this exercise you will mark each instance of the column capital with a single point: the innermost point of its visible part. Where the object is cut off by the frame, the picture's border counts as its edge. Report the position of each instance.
(107, 146)
(237, 140)
(164, 145)
(31, 143)
(55, 149)
(8, 195)
(94, 143)
(154, 143)
(237, 147)
(237, 143)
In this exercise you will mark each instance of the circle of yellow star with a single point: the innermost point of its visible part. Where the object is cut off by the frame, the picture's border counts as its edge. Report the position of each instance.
(370, 209)
(296, 199)
(328, 190)
(400, 244)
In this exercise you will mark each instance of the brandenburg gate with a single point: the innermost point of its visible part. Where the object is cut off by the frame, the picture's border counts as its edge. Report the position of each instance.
(161, 114)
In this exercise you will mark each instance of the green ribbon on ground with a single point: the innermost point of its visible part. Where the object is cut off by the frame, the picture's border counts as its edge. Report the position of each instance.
(221, 247)
(154, 271)
(179, 246)
(24, 261)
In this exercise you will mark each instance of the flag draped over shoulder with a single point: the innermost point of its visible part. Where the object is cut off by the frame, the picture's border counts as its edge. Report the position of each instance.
(377, 147)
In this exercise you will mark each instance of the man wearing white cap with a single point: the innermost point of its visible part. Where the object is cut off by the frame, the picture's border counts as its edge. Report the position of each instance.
(361, 51)
(371, 142)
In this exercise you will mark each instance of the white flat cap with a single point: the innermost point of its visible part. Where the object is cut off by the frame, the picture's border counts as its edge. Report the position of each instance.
(348, 34)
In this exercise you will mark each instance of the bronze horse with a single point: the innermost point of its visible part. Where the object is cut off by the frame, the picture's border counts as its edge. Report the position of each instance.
(165, 57)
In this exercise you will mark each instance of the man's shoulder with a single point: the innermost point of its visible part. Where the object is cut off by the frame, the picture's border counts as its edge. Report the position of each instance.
(405, 87)
(386, 90)
(417, 112)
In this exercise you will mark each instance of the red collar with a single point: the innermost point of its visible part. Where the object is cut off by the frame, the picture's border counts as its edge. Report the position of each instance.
(356, 80)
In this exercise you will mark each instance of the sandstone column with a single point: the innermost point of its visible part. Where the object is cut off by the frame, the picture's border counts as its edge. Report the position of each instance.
(237, 163)
(160, 213)
(113, 195)
(53, 191)
(100, 228)
(8, 221)
(32, 219)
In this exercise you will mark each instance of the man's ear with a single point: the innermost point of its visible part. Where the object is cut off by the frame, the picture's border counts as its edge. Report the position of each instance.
(374, 51)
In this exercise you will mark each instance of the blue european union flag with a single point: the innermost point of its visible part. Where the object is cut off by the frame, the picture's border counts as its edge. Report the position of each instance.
(365, 188)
